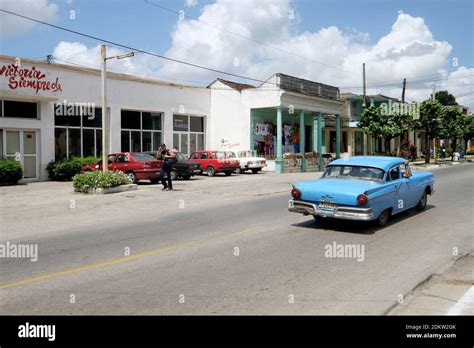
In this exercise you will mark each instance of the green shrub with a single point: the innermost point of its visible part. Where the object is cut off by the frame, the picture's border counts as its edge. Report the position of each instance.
(10, 171)
(64, 170)
(98, 179)
(470, 153)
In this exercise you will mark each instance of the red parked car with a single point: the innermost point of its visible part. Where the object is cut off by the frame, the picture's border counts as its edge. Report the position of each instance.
(213, 162)
(136, 165)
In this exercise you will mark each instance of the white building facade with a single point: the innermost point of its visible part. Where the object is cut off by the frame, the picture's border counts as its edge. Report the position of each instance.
(53, 111)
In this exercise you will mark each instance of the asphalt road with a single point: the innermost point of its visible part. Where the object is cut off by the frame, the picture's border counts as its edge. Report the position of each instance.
(248, 255)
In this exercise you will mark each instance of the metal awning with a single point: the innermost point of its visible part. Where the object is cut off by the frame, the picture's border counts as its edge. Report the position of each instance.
(29, 97)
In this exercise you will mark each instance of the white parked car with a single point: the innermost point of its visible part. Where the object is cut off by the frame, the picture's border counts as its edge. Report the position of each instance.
(249, 161)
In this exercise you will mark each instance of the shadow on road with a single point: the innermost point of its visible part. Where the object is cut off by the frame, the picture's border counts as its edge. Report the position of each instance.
(357, 227)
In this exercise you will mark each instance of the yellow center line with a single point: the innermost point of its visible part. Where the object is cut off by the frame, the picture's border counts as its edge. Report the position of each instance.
(114, 261)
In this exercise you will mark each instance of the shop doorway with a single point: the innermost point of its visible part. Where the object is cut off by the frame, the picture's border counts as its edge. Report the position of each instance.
(308, 136)
(21, 145)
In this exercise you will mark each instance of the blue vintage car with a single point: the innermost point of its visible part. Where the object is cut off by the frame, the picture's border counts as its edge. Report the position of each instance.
(363, 188)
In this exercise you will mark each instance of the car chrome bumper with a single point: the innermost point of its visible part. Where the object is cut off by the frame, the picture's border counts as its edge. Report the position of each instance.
(347, 213)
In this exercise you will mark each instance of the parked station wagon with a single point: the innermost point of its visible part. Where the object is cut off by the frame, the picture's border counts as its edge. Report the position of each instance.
(363, 188)
(213, 162)
(136, 165)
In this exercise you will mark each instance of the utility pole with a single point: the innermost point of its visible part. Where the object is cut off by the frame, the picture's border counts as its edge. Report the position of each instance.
(434, 139)
(105, 119)
(363, 84)
(105, 115)
(405, 134)
(403, 90)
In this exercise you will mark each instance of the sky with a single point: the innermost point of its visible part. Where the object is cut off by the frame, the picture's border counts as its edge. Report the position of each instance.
(426, 41)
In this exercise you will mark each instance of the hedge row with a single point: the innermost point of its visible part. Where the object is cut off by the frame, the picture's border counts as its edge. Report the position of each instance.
(98, 179)
(64, 170)
(10, 171)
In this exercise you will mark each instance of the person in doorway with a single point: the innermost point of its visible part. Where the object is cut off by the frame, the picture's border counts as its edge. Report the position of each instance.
(169, 158)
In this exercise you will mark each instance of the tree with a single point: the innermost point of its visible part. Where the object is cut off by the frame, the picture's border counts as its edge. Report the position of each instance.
(445, 98)
(431, 117)
(467, 125)
(381, 124)
(452, 126)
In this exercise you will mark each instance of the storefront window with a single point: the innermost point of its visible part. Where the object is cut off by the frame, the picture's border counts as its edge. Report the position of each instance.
(130, 119)
(151, 121)
(1, 142)
(60, 139)
(188, 134)
(146, 138)
(77, 131)
(197, 124)
(12, 108)
(74, 142)
(94, 121)
(136, 146)
(180, 123)
(141, 131)
(88, 143)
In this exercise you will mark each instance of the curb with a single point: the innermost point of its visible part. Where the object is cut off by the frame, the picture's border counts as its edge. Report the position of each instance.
(117, 189)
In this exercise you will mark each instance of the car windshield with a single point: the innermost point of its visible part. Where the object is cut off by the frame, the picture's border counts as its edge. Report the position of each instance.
(223, 154)
(142, 157)
(354, 172)
(248, 153)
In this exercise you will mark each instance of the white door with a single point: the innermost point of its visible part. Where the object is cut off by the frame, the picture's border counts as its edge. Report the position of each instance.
(21, 146)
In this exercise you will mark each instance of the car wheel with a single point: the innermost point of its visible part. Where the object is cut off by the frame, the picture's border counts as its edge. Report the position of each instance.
(154, 181)
(210, 171)
(132, 176)
(422, 203)
(255, 171)
(228, 173)
(383, 217)
(186, 177)
(238, 171)
(174, 175)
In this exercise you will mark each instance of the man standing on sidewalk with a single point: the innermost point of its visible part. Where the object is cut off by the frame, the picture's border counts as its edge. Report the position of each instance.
(169, 158)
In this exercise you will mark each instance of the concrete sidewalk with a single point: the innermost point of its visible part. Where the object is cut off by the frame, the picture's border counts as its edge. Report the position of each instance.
(449, 292)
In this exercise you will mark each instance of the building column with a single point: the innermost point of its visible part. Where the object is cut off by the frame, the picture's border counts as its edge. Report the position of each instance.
(302, 141)
(338, 136)
(365, 143)
(320, 141)
(279, 167)
(315, 133)
(350, 143)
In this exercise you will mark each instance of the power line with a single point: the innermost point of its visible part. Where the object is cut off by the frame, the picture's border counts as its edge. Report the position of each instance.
(251, 39)
(137, 50)
(82, 65)
(413, 82)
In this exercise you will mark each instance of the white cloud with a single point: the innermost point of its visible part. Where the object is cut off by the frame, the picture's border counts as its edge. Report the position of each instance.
(409, 49)
(38, 9)
(76, 53)
(191, 3)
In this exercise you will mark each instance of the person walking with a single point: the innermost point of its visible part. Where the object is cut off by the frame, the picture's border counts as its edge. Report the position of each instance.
(169, 158)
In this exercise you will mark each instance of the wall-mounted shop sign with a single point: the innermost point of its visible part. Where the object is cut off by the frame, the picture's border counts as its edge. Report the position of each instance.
(28, 78)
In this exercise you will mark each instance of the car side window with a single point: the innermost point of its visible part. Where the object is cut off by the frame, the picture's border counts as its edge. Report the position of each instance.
(120, 159)
(195, 156)
(204, 155)
(394, 174)
(110, 159)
